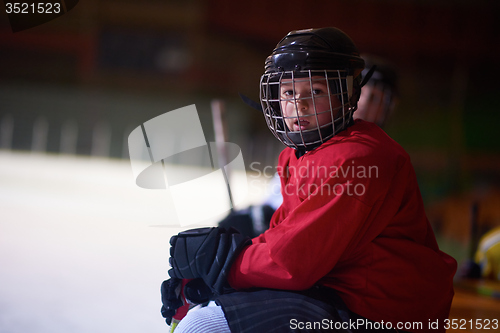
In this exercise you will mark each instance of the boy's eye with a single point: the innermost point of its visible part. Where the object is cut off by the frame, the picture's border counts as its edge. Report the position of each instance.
(320, 89)
(315, 91)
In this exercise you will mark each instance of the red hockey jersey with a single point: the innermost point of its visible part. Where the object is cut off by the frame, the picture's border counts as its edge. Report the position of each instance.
(353, 219)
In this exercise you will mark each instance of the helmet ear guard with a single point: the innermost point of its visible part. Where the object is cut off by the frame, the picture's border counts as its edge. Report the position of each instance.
(356, 91)
(326, 55)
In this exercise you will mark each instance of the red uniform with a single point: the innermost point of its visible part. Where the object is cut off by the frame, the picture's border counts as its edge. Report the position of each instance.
(353, 219)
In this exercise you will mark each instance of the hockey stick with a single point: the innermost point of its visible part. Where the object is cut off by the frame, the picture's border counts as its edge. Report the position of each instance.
(220, 130)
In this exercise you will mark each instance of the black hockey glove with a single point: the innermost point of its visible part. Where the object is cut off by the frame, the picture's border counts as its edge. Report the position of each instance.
(206, 253)
(197, 292)
(171, 298)
(177, 295)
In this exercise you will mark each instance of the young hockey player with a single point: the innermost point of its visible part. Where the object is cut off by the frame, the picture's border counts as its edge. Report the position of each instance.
(378, 99)
(350, 248)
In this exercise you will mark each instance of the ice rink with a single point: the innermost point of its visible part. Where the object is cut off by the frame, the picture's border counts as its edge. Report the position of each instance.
(82, 248)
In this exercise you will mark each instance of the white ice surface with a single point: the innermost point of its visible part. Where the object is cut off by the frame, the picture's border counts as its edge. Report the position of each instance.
(82, 248)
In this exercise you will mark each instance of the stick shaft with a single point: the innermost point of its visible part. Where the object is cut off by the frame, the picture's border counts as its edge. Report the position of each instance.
(220, 130)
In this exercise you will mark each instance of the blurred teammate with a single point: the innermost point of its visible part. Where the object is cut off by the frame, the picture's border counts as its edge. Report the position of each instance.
(486, 261)
(488, 255)
(379, 96)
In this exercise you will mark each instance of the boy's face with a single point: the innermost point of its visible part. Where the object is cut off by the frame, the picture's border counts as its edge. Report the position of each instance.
(309, 108)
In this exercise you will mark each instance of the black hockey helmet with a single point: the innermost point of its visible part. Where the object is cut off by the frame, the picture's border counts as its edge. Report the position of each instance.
(326, 54)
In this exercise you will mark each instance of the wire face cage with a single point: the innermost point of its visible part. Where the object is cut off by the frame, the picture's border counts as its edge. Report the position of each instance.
(305, 108)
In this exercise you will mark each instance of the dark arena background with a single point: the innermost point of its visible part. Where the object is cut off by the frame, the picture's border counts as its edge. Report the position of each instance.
(83, 249)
